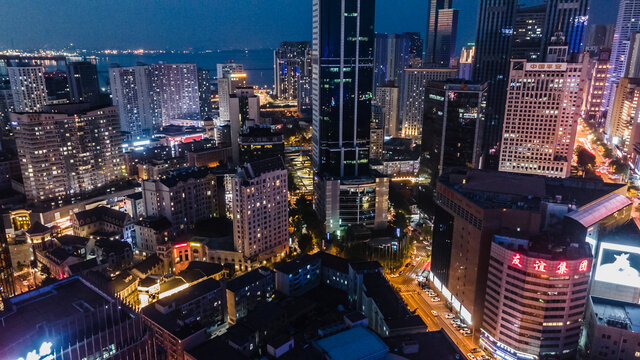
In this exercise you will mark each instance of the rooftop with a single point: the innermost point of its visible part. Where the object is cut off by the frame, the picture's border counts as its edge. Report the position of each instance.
(296, 264)
(173, 177)
(27, 315)
(431, 345)
(101, 213)
(615, 313)
(600, 209)
(254, 169)
(548, 245)
(38, 228)
(353, 344)
(249, 278)
(336, 263)
(148, 264)
(496, 189)
(157, 223)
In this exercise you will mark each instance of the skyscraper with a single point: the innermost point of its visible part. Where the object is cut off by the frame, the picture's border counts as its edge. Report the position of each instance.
(595, 92)
(465, 66)
(493, 52)
(393, 54)
(528, 32)
(342, 86)
(28, 88)
(625, 114)
(568, 17)
(82, 77)
(431, 50)
(68, 151)
(453, 124)
(289, 63)
(541, 117)
(626, 24)
(414, 84)
(343, 41)
(447, 30)
(230, 76)
(260, 208)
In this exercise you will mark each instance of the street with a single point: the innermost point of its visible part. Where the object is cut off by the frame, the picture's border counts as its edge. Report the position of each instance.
(418, 300)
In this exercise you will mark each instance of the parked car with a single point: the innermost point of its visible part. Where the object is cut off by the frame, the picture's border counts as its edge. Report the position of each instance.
(434, 313)
(450, 316)
(435, 299)
(470, 356)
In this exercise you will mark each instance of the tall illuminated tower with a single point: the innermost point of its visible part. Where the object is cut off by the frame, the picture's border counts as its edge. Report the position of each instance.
(343, 42)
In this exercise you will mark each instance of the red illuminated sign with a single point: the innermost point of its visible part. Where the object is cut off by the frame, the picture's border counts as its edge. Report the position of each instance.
(562, 268)
(584, 265)
(180, 245)
(516, 260)
(540, 266)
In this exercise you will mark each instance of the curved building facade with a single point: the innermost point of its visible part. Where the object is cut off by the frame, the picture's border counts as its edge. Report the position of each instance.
(535, 298)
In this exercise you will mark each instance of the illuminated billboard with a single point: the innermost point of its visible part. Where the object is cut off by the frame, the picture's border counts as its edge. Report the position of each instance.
(619, 264)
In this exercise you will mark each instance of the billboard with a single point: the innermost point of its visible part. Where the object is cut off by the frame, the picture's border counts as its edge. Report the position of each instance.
(546, 67)
(619, 264)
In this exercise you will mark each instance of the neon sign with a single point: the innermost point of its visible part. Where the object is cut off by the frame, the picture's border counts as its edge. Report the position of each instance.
(540, 266)
(516, 260)
(562, 268)
(584, 264)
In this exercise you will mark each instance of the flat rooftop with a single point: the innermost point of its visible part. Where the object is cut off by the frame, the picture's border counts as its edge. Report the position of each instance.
(353, 344)
(615, 313)
(27, 316)
(496, 189)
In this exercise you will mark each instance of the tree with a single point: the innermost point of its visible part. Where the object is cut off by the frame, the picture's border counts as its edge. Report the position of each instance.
(585, 157)
(619, 167)
(400, 220)
(305, 243)
(45, 271)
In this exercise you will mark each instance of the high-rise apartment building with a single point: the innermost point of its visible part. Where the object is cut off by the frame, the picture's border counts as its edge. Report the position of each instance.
(453, 124)
(541, 117)
(626, 24)
(432, 52)
(28, 88)
(68, 151)
(289, 62)
(413, 90)
(137, 102)
(244, 111)
(84, 86)
(205, 93)
(230, 76)
(386, 108)
(598, 71)
(536, 295)
(185, 196)
(177, 86)
(600, 36)
(625, 115)
(260, 208)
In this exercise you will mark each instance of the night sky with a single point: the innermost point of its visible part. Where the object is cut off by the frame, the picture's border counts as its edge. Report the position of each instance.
(205, 24)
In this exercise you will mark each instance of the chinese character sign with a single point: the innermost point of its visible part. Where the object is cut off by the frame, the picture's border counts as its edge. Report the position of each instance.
(540, 266)
(562, 268)
(516, 260)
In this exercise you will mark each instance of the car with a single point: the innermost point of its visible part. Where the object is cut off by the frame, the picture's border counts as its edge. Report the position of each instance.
(456, 321)
(435, 299)
(434, 313)
(407, 265)
(461, 325)
(475, 350)
(470, 356)
(466, 334)
(432, 294)
(483, 357)
(450, 316)
(401, 272)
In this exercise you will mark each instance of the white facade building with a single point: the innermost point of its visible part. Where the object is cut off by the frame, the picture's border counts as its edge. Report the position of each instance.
(28, 88)
(541, 117)
(261, 208)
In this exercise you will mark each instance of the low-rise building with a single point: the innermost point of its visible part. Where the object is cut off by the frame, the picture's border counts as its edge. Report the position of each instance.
(99, 219)
(298, 276)
(151, 232)
(248, 290)
(180, 322)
